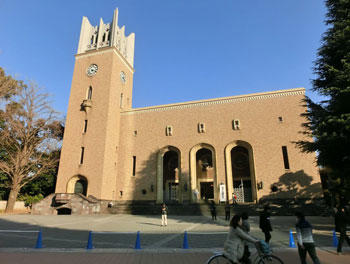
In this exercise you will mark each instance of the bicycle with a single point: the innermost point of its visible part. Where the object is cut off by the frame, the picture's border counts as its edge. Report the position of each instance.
(261, 258)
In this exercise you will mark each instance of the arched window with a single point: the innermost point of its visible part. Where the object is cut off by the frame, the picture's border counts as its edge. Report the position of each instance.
(89, 96)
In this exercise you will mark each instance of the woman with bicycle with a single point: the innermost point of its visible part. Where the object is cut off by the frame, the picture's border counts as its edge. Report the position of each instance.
(236, 240)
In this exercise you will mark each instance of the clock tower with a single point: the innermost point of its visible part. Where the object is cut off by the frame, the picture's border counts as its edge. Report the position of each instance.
(101, 89)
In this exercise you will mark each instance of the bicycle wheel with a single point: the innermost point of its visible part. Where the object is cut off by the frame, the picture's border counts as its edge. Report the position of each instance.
(270, 259)
(219, 259)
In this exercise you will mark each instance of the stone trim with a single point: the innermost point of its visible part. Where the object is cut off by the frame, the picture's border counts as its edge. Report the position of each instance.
(105, 50)
(224, 100)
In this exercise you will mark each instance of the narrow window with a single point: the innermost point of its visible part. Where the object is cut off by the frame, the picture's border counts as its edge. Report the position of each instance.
(280, 118)
(85, 126)
(89, 93)
(236, 124)
(121, 100)
(82, 155)
(285, 157)
(92, 40)
(169, 130)
(135, 133)
(201, 128)
(104, 37)
(133, 165)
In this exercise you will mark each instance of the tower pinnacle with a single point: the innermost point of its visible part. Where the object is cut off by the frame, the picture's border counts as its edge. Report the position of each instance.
(106, 35)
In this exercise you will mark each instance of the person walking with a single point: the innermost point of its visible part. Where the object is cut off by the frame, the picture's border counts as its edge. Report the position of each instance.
(265, 223)
(236, 240)
(213, 210)
(305, 239)
(246, 228)
(164, 212)
(341, 219)
(227, 211)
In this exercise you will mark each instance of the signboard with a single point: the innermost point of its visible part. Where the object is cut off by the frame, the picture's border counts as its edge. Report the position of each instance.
(222, 193)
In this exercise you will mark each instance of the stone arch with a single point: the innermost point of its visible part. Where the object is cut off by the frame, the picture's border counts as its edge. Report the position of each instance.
(195, 184)
(77, 184)
(228, 164)
(160, 173)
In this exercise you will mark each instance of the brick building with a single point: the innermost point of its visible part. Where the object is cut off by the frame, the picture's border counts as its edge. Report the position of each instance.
(181, 153)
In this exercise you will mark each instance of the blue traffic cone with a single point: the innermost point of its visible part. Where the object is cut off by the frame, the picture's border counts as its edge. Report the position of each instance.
(39, 241)
(89, 243)
(138, 242)
(335, 239)
(291, 239)
(185, 243)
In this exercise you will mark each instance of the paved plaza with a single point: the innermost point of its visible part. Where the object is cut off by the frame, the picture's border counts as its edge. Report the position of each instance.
(64, 238)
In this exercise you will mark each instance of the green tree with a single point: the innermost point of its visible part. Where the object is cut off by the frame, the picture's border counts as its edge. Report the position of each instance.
(329, 121)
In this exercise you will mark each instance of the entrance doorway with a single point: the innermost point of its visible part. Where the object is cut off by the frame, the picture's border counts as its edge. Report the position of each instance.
(242, 182)
(205, 173)
(170, 176)
(207, 190)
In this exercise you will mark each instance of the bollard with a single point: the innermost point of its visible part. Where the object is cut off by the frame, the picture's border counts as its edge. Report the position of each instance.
(291, 239)
(185, 243)
(89, 243)
(138, 242)
(39, 241)
(335, 239)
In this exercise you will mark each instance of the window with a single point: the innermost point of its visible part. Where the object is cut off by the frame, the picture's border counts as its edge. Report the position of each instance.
(89, 96)
(104, 37)
(236, 124)
(285, 157)
(133, 165)
(82, 155)
(169, 130)
(121, 100)
(280, 118)
(201, 128)
(135, 133)
(85, 126)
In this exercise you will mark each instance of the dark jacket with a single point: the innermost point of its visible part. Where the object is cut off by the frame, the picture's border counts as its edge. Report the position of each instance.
(164, 210)
(264, 223)
(340, 220)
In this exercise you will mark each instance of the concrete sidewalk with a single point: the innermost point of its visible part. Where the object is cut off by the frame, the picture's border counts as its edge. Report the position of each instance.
(192, 256)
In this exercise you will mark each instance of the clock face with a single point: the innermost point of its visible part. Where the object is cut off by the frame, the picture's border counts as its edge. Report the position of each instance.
(92, 70)
(123, 76)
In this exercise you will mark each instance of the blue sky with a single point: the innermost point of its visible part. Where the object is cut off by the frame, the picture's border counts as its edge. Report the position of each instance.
(184, 49)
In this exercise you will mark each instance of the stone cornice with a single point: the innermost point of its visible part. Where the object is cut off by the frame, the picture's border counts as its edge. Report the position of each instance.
(105, 50)
(223, 100)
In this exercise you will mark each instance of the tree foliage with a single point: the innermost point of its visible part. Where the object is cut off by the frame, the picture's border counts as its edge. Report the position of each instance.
(329, 121)
(30, 135)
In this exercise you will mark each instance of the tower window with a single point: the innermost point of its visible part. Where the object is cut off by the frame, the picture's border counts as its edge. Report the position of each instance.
(236, 125)
(121, 100)
(133, 165)
(85, 126)
(285, 157)
(169, 130)
(280, 118)
(89, 96)
(82, 155)
(92, 40)
(201, 128)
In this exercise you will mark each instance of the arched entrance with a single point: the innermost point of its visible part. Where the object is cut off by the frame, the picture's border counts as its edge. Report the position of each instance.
(240, 172)
(169, 175)
(77, 184)
(203, 173)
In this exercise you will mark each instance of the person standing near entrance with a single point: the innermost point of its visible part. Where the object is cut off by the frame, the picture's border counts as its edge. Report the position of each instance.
(341, 219)
(213, 210)
(305, 240)
(265, 224)
(164, 212)
(227, 211)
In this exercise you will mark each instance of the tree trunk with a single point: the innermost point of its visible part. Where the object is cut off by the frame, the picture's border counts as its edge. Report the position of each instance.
(12, 200)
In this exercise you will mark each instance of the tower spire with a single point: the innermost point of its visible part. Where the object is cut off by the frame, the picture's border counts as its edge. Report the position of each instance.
(106, 35)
